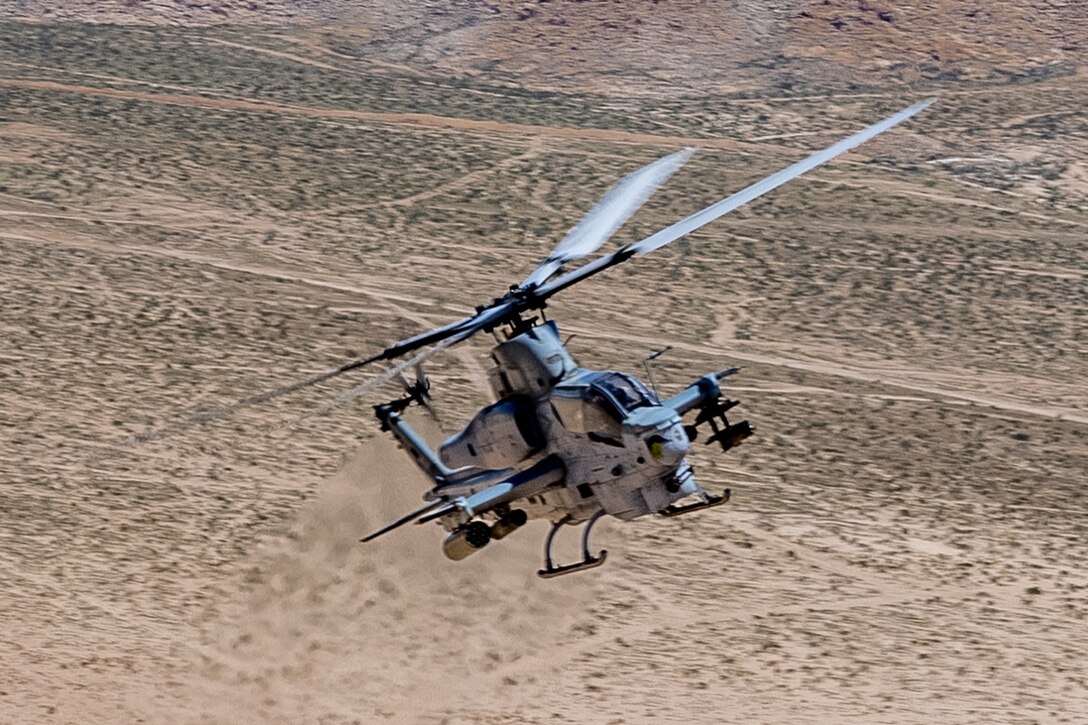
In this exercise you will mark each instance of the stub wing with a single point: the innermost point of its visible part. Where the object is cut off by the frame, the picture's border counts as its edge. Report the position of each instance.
(705, 395)
(699, 393)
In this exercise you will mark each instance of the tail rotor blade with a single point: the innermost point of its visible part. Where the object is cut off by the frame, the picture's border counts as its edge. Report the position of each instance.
(423, 390)
(485, 319)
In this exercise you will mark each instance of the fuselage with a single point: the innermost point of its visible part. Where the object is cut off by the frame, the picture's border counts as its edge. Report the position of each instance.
(622, 450)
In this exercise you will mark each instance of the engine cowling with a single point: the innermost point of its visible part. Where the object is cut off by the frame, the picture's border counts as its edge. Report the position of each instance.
(501, 435)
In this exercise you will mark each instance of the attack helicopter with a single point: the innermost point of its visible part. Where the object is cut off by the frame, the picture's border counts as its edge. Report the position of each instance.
(561, 442)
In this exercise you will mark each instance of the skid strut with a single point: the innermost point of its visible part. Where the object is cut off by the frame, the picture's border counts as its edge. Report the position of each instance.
(588, 560)
(708, 502)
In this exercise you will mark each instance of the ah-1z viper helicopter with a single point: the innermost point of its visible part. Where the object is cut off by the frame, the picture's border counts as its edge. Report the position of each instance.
(561, 442)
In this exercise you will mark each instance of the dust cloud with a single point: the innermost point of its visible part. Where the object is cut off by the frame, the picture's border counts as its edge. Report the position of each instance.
(321, 627)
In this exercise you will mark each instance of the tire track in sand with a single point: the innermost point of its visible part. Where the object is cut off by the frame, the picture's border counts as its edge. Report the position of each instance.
(421, 120)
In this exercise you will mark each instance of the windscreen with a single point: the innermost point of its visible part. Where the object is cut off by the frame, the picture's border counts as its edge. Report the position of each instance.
(586, 410)
(628, 392)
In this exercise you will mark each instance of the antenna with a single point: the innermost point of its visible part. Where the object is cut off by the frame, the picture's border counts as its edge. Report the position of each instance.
(650, 371)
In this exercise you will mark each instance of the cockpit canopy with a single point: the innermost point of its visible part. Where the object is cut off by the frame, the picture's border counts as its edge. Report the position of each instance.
(597, 404)
(626, 391)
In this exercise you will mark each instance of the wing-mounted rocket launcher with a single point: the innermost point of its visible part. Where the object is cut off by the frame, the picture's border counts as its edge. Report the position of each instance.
(705, 395)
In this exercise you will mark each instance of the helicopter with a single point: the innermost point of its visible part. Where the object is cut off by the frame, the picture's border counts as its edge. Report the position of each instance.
(561, 442)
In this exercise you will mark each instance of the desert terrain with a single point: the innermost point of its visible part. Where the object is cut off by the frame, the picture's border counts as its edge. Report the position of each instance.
(203, 201)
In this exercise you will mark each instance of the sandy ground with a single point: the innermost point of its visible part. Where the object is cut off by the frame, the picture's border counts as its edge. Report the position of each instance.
(906, 538)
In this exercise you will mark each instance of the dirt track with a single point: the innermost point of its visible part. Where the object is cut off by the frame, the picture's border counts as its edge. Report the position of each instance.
(423, 120)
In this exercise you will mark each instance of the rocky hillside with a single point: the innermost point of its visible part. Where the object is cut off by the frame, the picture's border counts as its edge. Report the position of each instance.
(682, 45)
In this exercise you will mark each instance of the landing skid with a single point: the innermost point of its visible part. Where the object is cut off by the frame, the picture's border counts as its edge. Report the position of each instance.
(708, 502)
(588, 560)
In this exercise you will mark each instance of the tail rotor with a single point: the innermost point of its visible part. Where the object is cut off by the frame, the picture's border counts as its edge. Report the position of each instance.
(419, 390)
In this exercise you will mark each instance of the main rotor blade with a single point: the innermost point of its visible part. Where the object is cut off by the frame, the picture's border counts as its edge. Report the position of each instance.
(461, 330)
(723, 207)
(209, 416)
(395, 350)
(615, 208)
(374, 383)
(442, 338)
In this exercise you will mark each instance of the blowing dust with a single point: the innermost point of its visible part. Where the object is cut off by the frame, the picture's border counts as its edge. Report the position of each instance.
(319, 627)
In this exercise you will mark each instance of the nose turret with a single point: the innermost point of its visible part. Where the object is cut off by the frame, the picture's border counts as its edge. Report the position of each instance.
(661, 432)
(668, 447)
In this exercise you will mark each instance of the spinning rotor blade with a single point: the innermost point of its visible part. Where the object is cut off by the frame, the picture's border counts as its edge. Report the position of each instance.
(441, 338)
(617, 205)
(487, 318)
(609, 214)
(393, 351)
(423, 391)
(723, 207)
(461, 330)
(615, 208)
(774, 181)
